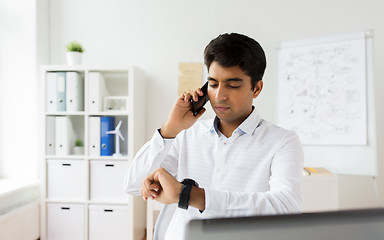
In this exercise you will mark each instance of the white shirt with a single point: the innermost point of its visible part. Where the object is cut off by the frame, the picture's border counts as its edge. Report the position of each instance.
(256, 171)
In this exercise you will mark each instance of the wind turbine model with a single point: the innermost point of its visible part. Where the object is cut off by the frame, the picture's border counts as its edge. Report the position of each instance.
(118, 135)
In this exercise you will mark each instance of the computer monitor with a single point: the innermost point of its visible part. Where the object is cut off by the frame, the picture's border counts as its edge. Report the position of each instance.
(363, 224)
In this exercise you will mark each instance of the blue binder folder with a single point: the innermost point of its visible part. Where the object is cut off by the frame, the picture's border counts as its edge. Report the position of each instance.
(107, 141)
(61, 93)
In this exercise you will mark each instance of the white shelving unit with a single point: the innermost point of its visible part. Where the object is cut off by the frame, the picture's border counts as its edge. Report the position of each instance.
(82, 195)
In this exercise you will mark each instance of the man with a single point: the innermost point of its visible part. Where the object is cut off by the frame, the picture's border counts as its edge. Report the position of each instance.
(240, 164)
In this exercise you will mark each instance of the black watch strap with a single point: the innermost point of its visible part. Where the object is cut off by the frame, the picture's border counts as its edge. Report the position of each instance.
(186, 192)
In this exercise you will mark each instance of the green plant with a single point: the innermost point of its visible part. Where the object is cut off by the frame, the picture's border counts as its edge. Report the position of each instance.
(79, 143)
(74, 46)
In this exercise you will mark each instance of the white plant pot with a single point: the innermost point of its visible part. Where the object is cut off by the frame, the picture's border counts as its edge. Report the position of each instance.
(74, 58)
(78, 150)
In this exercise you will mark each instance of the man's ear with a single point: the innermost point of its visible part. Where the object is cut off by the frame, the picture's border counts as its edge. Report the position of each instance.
(258, 88)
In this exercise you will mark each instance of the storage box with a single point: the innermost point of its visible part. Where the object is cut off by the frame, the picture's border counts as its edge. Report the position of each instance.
(66, 180)
(65, 221)
(107, 180)
(109, 222)
(115, 103)
(320, 193)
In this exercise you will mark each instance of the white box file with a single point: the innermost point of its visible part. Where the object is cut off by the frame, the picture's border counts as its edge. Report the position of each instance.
(64, 136)
(107, 180)
(96, 91)
(65, 221)
(50, 135)
(108, 222)
(66, 180)
(51, 92)
(94, 136)
(75, 92)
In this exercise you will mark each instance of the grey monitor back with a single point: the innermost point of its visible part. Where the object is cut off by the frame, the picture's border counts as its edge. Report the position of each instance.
(364, 224)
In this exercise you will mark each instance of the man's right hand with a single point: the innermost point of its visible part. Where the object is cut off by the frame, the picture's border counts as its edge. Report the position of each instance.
(181, 117)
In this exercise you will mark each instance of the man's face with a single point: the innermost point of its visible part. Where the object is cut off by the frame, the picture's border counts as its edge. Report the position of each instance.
(230, 93)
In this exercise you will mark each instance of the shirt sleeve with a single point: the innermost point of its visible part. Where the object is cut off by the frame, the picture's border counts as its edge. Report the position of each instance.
(152, 155)
(284, 195)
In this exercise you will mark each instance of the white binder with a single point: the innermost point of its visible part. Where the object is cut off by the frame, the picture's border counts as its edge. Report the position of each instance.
(94, 136)
(96, 91)
(64, 136)
(75, 92)
(61, 103)
(50, 135)
(51, 92)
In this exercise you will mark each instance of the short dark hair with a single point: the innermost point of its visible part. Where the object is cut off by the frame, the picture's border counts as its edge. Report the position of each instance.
(234, 49)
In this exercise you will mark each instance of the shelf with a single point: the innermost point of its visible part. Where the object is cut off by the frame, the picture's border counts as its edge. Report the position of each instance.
(83, 157)
(65, 201)
(106, 69)
(109, 113)
(108, 158)
(72, 157)
(65, 113)
(109, 202)
(69, 201)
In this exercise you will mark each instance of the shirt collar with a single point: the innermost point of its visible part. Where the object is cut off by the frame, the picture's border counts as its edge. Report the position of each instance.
(213, 127)
(248, 126)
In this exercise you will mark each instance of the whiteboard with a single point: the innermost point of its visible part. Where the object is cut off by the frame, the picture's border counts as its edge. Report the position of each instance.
(325, 95)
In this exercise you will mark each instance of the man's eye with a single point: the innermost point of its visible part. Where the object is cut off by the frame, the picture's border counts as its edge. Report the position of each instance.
(213, 85)
(234, 86)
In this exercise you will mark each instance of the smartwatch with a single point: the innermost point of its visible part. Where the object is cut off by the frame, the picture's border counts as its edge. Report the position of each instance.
(186, 192)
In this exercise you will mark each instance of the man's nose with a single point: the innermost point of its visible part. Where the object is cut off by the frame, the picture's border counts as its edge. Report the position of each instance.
(221, 93)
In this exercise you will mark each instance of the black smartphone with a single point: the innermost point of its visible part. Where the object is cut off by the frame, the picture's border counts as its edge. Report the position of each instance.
(202, 100)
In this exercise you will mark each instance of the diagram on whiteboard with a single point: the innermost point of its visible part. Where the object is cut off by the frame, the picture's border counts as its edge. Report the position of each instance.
(322, 91)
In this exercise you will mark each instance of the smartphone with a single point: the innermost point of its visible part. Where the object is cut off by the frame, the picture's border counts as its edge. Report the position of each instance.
(202, 100)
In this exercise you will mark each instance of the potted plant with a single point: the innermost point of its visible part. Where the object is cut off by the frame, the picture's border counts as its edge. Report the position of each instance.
(74, 53)
(79, 147)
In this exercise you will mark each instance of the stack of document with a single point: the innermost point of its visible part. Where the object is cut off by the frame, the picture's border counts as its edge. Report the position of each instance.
(64, 92)
(60, 136)
(101, 143)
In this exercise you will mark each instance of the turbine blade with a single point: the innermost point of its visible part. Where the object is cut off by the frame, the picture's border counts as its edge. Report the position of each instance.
(120, 135)
(118, 125)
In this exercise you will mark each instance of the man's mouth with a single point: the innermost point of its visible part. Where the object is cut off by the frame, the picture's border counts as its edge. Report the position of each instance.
(221, 108)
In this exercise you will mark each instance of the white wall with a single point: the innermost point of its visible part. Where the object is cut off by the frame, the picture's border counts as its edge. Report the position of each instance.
(157, 34)
(18, 89)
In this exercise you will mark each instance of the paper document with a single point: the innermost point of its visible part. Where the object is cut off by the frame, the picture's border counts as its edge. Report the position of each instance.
(190, 76)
